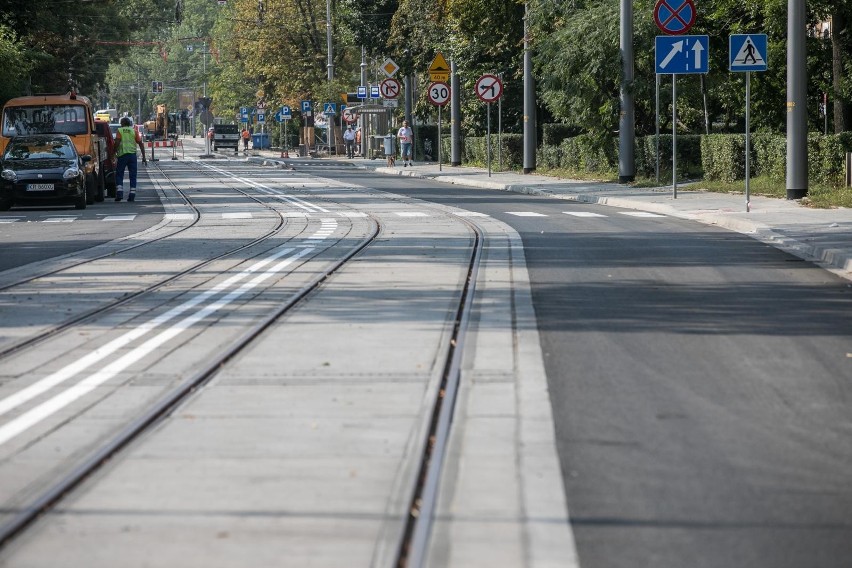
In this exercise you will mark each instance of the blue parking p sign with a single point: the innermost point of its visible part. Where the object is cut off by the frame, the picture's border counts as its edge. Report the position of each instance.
(306, 106)
(747, 52)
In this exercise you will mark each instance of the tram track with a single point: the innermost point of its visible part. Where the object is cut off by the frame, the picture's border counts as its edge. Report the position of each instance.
(130, 296)
(414, 541)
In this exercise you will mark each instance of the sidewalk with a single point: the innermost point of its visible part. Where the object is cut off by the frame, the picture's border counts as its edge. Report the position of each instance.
(823, 236)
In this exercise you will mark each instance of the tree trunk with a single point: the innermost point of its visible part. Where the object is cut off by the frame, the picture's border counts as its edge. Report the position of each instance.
(839, 24)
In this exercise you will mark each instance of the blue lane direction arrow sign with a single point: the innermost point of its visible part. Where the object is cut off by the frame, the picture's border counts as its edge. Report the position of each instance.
(679, 55)
(747, 52)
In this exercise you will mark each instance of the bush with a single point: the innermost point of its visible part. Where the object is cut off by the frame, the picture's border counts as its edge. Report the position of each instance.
(723, 157)
(770, 152)
(553, 134)
(475, 150)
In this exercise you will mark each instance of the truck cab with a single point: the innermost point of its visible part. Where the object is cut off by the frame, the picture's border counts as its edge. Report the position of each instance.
(226, 136)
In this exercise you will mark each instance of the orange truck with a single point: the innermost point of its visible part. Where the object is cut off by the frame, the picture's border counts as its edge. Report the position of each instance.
(69, 114)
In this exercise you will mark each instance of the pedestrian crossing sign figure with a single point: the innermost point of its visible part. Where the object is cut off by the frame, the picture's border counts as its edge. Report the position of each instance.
(747, 52)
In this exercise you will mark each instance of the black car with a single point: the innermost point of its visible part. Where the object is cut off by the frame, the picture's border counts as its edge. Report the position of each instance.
(40, 169)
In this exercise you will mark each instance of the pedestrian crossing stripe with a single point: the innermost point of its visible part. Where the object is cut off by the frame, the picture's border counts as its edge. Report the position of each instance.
(236, 216)
(747, 52)
(583, 214)
(525, 214)
(119, 217)
(641, 214)
(470, 214)
(411, 214)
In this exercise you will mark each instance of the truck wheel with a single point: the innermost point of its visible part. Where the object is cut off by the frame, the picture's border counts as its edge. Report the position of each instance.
(82, 201)
(101, 193)
(91, 182)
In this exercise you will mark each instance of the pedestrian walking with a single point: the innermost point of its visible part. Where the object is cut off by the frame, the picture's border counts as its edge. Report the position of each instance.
(126, 141)
(406, 138)
(349, 139)
(246, 136)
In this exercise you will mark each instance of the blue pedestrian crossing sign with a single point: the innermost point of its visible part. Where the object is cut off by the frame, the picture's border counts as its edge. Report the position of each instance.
(747, 52)
(679, 55)
(329, 109)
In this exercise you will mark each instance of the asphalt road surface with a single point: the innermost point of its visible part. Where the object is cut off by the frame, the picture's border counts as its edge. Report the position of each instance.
(700, 380)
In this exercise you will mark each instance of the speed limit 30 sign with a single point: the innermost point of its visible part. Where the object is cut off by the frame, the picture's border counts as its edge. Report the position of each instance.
(438, 93)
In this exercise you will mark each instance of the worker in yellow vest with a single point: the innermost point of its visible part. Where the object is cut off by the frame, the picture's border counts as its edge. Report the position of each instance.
(126, 141)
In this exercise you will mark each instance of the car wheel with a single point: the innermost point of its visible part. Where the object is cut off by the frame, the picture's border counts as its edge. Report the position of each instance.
(5, 204)
(92, 183)
(82, 201)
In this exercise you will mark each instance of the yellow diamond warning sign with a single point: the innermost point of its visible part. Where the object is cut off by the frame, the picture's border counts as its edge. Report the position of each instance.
(439, 70)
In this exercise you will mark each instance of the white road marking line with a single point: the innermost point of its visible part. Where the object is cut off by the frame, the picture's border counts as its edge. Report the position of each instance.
(180, 216)
(60, 219)
(10, 219)
(583, 214)
(470, 214)
(74, 392)
(119, 217)
(640, 214)
(236, 216)
(411, 214)
(525, 214)
(67, 372)
(352, 214)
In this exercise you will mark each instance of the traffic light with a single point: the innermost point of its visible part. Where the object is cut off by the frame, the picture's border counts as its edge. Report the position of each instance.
(156, 87)
(205, 102)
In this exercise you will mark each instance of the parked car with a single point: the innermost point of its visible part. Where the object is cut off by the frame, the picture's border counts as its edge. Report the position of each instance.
(42, 168)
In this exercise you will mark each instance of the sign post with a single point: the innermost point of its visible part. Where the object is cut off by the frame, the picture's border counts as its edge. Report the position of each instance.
(489, 88)
(438, 94)
(680, 55)
(747, 52)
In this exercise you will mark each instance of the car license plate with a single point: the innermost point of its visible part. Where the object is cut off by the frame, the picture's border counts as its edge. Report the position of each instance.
(39, 187)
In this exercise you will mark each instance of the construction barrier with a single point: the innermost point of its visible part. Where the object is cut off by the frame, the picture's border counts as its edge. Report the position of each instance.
(173, 144)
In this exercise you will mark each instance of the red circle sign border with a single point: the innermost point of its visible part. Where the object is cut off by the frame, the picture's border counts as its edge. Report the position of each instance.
(497, 80)
(687, 25)
(429, 93)
(390, 81)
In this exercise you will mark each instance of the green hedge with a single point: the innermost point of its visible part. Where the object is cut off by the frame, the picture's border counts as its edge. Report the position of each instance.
(475, 149)
(553, 134)
(723, 157)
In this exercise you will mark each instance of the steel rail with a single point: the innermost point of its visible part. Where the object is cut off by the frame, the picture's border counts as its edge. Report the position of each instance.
(414, 544)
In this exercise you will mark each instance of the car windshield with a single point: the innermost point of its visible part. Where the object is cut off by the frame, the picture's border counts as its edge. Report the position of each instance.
(44, 119)
(39, 149)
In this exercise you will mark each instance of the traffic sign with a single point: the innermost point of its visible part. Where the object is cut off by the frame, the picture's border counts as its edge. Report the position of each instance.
(362, 92)
(261, 117)
(329, 109)
(439, 70)
(374, 91)
(438, 93)
(390, 88)
(674, 17)
(747, 52)
(489, 88)
(678, 55)
(307, 106)
(286, 112)
(350, 115)
(390, 67)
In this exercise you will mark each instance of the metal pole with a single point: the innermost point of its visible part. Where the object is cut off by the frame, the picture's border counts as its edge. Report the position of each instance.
(500, 129)
(331, 140)
(529, 99)
(674, 136)
(488, 139)
(748, 142)
(363, 118)
(657, 135)
(627, 123)
(455, 117)
(440, 164)
(797, 101)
